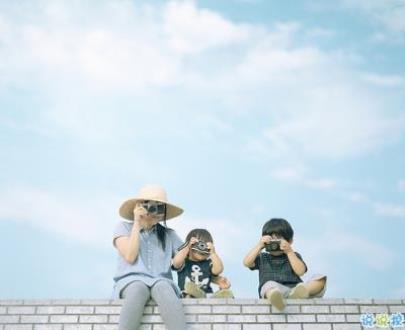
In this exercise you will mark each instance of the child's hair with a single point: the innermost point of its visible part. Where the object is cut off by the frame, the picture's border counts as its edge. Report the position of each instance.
(280, 227)
(201, 234)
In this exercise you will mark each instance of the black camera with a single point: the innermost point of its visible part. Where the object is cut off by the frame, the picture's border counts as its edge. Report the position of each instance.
(154, 208)
(200, 247)
(273, 245)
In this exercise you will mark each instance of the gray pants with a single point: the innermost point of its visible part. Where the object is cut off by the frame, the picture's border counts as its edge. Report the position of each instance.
(137, 294)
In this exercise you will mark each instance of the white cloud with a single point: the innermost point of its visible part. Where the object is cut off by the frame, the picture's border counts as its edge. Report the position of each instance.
(298, 175)
(401, 185)
(390, 210)
(308, 100)
(357, 197)
(362, 250)
(387, 14)
(191, 30)
(385, 80)
(322, 183)
(86, 218)
(288, 174)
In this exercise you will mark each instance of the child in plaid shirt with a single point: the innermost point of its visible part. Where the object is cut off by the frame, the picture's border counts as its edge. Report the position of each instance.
(280, 267)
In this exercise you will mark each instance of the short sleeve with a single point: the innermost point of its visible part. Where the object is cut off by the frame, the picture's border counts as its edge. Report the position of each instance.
(176, 242)
(300, 257)
(257, 263)
(121, 229)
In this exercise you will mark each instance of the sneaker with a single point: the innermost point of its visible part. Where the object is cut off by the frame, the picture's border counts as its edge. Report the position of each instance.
(193, 290)
(224, 293)
(299, 292)
(276, 299)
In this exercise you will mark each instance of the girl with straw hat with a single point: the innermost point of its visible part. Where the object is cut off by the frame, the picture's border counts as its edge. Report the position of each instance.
(145, 250)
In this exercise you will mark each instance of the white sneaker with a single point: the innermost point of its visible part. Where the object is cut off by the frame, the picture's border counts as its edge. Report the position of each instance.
(299, 292)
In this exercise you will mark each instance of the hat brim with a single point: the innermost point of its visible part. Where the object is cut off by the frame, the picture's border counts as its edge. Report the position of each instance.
(127, 209)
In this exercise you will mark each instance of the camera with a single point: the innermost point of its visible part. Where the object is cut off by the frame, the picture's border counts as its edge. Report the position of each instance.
(273, 245)
(200, 247)
(154, 208)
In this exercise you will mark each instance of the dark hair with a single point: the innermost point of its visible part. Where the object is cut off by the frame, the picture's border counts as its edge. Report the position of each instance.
(161, 231)
(201, 234)
(280, 227)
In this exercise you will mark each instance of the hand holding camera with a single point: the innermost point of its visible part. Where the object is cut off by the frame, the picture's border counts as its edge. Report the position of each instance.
(140, 215)
(200, 247)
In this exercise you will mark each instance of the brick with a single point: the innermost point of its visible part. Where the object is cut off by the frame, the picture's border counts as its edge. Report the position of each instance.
(331, 318)
(79, 310)
(190, 327)
(111, 309)
(245, 301)
(271, 318)
(289, 309)
(194, 301)
(34, 302)
(117, 302)
(146, 310)
(226, 309)
(93, 302)
(300, 318)
(77, 327)
(34, 319)
(211, 318)
(65, 302)
(255, 309)
(397, 309)
(257, 326)
(328, 301)
(241, 318)
(374, 309)
(50, 309)
(21, 310)
(346, 309)
(353, 318)
(315, 309)
(63, 319)
(387, 301)
(3, 310)
(18, 327)
(10, 302)
(191, 318)
(358, 301)
(48, 327)
(115, 327)
(228, 326)
(218, 301)
(347, 326)
(317, 327)
(9, 318)
(93, 318)
(299, 301)
(287, 327)
(113, 318)
(198, 309)
(152, 319)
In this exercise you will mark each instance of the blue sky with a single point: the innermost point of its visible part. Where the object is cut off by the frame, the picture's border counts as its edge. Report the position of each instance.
(244, 110)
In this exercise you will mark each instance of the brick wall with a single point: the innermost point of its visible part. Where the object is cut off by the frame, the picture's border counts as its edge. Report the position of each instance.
(209, 314)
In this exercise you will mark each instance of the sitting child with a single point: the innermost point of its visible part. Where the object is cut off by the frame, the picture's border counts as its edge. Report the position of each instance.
(280, 267)
(197, 265)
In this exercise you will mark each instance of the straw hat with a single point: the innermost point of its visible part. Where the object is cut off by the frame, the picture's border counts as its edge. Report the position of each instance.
(150, 193)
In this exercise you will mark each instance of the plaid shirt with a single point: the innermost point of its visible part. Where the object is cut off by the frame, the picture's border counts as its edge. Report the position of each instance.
(276, 268)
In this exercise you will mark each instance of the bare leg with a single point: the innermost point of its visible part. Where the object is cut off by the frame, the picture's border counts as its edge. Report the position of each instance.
(315, 286)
